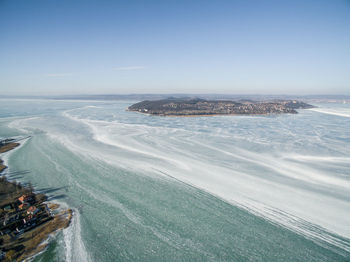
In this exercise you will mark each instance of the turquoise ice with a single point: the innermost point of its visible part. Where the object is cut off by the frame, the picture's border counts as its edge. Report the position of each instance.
(223, 188)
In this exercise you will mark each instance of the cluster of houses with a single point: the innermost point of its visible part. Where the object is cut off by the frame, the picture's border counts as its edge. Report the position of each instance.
(185, 107)
(22, 215)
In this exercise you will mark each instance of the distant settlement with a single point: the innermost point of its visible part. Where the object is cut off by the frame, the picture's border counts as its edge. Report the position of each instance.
(201, 107)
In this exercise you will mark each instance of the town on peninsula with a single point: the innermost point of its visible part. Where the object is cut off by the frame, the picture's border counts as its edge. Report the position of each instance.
(202, 107)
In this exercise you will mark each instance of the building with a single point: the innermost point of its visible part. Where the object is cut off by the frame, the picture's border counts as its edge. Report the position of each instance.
(25, 198)
(32, 210)
(23, 205)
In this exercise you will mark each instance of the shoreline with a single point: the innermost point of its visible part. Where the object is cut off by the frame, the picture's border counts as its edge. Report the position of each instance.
(4, 149)
(27, 220)
(206, 115)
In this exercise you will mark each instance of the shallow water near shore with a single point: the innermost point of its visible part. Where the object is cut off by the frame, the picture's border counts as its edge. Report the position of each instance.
(223, 188)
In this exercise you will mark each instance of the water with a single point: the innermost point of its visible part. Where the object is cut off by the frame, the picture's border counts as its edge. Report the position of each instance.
(223, 188)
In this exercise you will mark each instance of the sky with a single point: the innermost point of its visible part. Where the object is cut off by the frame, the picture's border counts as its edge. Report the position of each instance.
(125, 47)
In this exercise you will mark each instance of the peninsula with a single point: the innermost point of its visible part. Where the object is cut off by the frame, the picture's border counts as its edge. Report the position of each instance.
(26, 219)
(6, 145)
(202, 107)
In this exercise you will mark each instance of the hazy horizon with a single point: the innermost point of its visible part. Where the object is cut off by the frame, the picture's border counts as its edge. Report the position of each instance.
(154, 96)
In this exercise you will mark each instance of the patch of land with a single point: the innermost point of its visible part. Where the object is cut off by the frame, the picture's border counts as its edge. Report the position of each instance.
(26, 220)
(4, 147)
(2, 166)
(201, 107)
(8, 146)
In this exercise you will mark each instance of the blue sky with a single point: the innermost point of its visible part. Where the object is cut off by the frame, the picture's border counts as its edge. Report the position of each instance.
(121, 47)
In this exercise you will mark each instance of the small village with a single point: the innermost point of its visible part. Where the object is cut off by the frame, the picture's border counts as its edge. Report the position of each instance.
(193, 107)
(22, 215)
(26, 219)
(18, 216)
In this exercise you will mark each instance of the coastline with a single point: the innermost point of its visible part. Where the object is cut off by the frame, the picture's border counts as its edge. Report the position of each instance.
(203, 115)
(182, 107)
(27, 220)
(4, 149)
